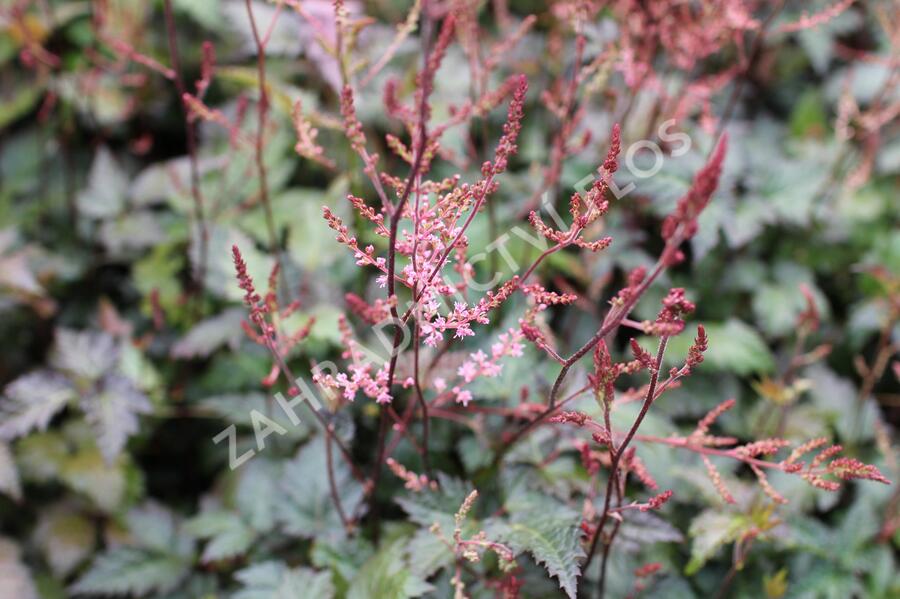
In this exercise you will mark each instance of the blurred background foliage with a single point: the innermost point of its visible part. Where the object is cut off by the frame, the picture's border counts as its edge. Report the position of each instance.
(118, 368)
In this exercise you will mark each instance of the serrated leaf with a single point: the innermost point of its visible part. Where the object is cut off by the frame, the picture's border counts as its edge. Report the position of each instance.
(274, 580)
(84, 354)
(823, 581)
(439, 505)
(710, 531)
(9, 475)
(88, 473)
(66, 538)
(344, 557)
(387, 575)
(31, 400)
(306, 509)
(153, 526)
(256, 493)
(227, 534)
(113, 413)
(552, 537)
(131, 571)
(428, 554)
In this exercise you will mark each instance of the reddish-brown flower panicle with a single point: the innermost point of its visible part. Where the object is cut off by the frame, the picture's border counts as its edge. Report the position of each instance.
(656, 501)
(507, 145)
(245, 282)
(700, 345)
(697, 197)
(641, 355)
(352, 127)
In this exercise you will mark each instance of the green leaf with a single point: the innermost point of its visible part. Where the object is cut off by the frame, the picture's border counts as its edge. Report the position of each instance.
(88, 472)
(808, 117)
(206, 12)
(835, 400)
(710, 531)
(220, 266)
(306, 508)
(84, 354)
(113, 413)
(256, 493)
(22, 100)
(641, 528)
(274, 580)
(153, 527)
(824, 581)
(131, 571)
(31, 400)
(66, 538)
(344, 557)
(733, 347)
(228, 535)
(551, 536)
(107, 187)
(239, 407)
(428, 554)
(211, 334)
(439, 506)
(131, 232)
(41, 456)
(387, 575)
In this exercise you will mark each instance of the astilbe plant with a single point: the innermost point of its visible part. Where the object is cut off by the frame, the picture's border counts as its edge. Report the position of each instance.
(423, 265)
(575, 435)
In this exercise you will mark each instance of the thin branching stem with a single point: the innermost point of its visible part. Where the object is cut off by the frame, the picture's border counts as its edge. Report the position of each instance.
(396, 214)
(614, 473)
(262, 117)
(191, 141)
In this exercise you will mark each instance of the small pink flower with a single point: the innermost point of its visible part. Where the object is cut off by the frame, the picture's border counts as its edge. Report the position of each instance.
(463, 396)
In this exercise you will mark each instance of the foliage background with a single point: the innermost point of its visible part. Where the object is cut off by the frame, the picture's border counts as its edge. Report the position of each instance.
(114, 484)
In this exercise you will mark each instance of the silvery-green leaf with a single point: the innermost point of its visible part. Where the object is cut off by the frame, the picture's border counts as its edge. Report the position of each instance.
(107, 187)
(88, 472)
(387, 575)
(31, 400)
(130, 232)
(41, 456)
(131, 571)
(113, 413)
(153, 526)
(275, 580)
(553, 540)
(66, 538)
(209, 335)
(306, 508)
(227, 535)
(84, 354)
